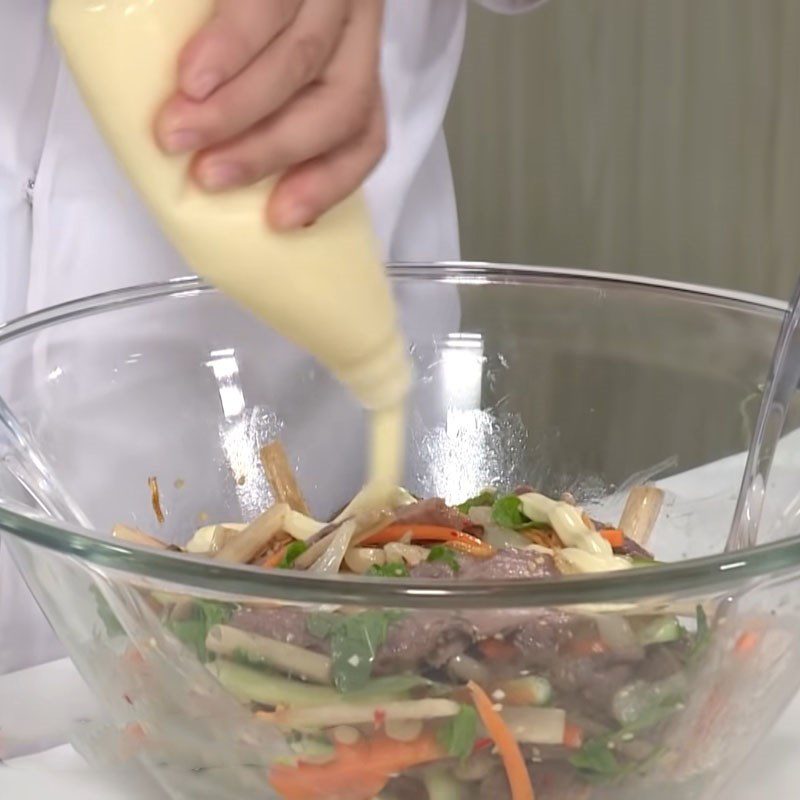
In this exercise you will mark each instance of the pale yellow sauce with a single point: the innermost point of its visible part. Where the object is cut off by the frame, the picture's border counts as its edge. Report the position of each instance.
(322, 287)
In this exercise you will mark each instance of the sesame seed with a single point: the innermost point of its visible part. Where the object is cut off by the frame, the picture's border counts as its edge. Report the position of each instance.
(498, 694)
(498, 706)
(354, 660)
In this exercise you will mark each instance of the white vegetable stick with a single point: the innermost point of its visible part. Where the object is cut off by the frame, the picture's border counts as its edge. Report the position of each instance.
(360, 559)
(135, 536)
(362, 714)
(212, 538)
(300, 526)
(281, 477)
(411, 554)
(331, 560)
(641, 512)
(536, 725)
(227, 641)
(255, 537)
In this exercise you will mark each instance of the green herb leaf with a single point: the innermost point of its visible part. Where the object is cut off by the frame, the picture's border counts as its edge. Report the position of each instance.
(293, 552)
(650, 716)
(107, 616)
(398, 685)
(395, 569)
(459, 733)
(441, 553)
(321, 624)
(483, 499)
(507, 512)
(193, 629)
(355, 640)
(596, 758)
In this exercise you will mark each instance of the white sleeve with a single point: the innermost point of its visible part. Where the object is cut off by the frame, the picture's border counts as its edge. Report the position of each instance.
(510, 6)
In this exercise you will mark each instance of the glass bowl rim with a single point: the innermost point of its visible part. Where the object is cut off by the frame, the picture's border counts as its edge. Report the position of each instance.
(696, 576)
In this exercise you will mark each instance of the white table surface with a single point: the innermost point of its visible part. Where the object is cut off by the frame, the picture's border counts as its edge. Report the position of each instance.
(39, 707)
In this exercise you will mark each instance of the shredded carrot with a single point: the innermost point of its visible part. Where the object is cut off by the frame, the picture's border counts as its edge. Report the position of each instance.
(573, 736)
(358, 772)
(133, 739)
(746, 643)
(431, 533)
(615, 537)
(507, 745)
(275, 558)
(497, 650)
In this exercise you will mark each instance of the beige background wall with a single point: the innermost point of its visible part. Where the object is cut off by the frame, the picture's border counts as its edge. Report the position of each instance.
(656, 137)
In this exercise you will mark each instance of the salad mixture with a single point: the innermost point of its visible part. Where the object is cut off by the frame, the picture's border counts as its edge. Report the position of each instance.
(377, 703)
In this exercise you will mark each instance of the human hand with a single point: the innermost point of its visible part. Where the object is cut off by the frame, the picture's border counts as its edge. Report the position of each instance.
(286, 87)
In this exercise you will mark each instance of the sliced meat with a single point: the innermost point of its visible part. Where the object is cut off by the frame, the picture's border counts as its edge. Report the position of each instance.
(434, 512)
(661, 662)
(631, 548)
(605, 684)
(539, 638)
(558, 780)
(423, 638)
(404, 787)
(416, 640)
(435, 570)
(510, 564)
(569, 675)
(552, 780)
(284, 624)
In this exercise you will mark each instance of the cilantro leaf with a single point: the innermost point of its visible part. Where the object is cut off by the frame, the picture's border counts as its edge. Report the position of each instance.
(395, 569)
(507, 512)
(293, 552)
(596, 758)
(193, 629)
(459, 733)
(441, 553)
(483, 499)
(355, 640)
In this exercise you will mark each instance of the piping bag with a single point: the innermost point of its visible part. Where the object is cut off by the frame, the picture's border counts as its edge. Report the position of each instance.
(324, 287)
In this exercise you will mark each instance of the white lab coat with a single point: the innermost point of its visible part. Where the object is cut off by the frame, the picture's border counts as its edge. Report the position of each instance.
(71, 226)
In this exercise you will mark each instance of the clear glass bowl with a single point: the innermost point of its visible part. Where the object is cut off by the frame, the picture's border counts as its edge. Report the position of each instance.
(569, 381)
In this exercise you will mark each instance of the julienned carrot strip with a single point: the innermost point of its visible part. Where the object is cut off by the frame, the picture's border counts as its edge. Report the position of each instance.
(497, 650)
(514, 763)
(746, 643)
(430, 533)
(358, 772)
(274, 558)
(573, 736)
(614, 537)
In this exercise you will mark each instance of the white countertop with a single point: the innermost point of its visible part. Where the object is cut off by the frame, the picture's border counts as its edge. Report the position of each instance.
(40, 706)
